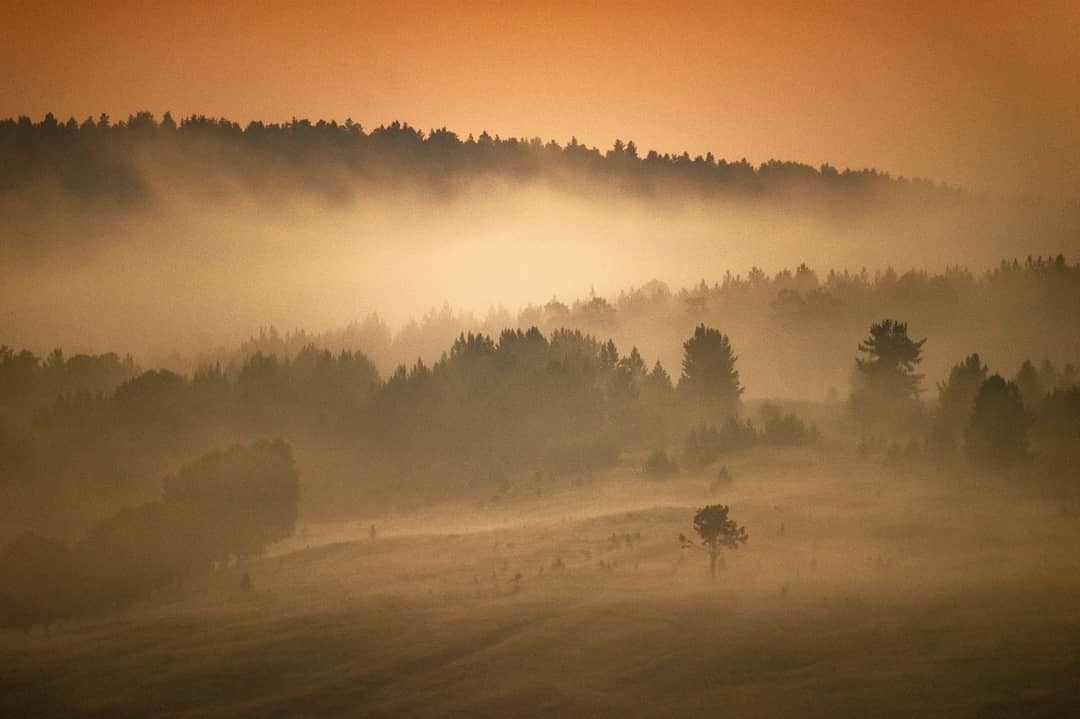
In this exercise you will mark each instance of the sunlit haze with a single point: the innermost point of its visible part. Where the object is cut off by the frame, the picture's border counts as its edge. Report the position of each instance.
(518, 359)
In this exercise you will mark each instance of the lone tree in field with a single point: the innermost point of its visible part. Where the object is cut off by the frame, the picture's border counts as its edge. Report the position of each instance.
(708, 370)
(885, 383)
(717, 531)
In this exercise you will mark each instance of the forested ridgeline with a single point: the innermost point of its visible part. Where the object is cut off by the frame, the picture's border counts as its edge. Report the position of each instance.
(491, 408)
(89, 523)
(487, 406)
(794, 329)
(123, 161)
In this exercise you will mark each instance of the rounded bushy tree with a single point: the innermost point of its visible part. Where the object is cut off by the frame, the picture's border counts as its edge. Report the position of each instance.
(717, 531)
(243, 498)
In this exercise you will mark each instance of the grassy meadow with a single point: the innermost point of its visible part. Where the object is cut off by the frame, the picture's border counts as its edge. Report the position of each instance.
(865, 590)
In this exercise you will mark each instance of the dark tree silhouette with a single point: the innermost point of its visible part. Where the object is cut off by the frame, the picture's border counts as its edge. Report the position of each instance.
(245, 497)
(557, 400)
(956, 398)
(956, 395)
(885, 381)
(709, 375)
(1030, 384)
(1060, 416)
(230, 503)
(999, 423)
(92, 159)
(717, 531)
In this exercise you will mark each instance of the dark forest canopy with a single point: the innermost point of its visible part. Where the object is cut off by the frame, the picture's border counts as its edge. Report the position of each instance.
(99, 158)
(491, 406)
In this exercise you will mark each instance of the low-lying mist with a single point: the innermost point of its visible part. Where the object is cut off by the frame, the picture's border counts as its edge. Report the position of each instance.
(175, 242)
(305, 420)
(186, 275)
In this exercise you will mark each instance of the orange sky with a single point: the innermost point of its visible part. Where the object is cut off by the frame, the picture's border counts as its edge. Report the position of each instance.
(983, 94)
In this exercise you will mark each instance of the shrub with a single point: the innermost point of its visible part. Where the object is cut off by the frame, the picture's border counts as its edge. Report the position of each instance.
(721, 481)
(736, 435)
(659, 465)
(786, 431)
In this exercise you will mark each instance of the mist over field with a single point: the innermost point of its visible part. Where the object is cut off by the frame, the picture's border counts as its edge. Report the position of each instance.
(158, 239)
(311, 419)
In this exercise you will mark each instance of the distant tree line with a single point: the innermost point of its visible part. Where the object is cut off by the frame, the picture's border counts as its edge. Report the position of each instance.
(27, 380)
(99, 158)
(794, 327)
(86, 432)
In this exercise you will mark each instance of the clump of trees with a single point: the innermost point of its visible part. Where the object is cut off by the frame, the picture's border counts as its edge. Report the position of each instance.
(995, 419)
(992, 418)
(706, 443)
(226, 504)
(245, 497)
(997, 430)
(1059, 418)
(561, 403)
(565, 403)
(956, 397)
(780, 429)
(29, 383)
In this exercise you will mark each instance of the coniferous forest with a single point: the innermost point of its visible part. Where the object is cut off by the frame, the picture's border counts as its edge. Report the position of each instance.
(672, 360)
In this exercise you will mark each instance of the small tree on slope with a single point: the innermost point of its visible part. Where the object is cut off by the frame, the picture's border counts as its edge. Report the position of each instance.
(717, 531)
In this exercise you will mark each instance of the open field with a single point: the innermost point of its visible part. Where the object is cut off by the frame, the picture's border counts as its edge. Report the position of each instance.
(604, 359)
(863, 592)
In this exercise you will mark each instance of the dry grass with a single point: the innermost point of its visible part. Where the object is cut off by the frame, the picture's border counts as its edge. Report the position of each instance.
(885, 595)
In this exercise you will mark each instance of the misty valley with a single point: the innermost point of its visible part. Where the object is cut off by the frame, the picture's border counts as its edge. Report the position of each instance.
(306, 420)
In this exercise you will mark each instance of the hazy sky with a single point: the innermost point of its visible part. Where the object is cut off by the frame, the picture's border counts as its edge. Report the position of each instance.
(979, 93)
